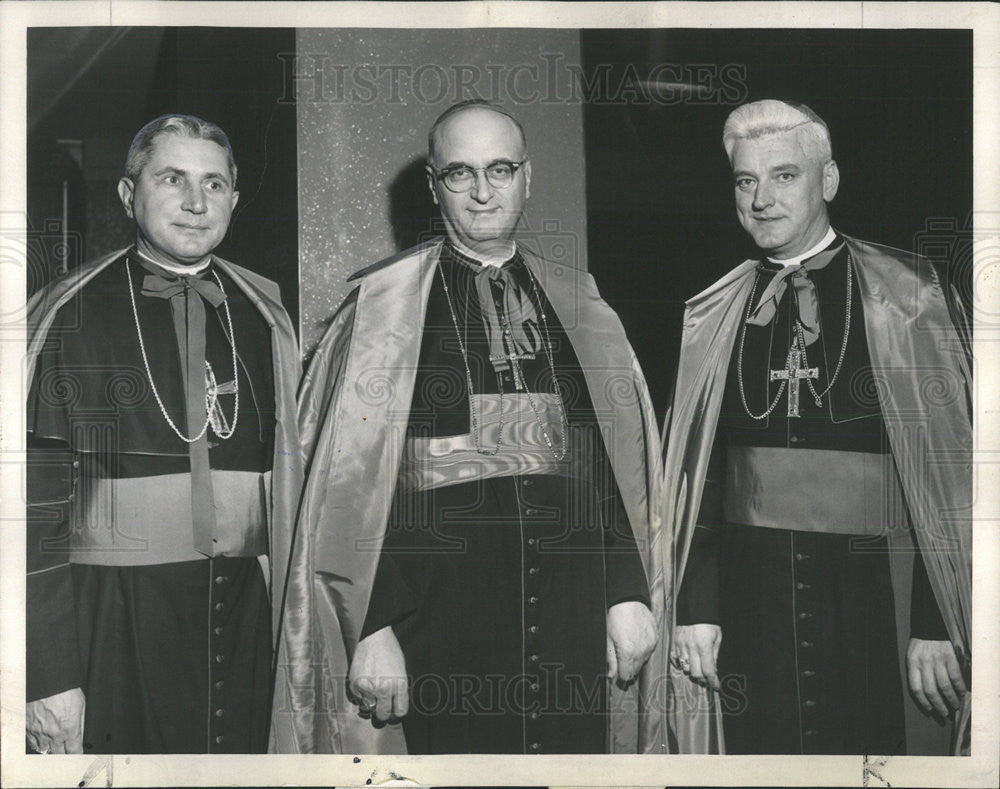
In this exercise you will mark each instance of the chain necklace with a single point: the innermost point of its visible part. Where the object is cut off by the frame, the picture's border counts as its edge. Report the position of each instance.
(518, 377)
(219, 424)
(797, 340)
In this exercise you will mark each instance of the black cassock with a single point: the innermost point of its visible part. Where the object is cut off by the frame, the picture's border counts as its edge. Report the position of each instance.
(808, 661)
(497, 586)
(173, 657)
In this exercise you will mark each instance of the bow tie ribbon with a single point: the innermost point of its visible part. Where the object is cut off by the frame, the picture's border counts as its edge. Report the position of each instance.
(805, 294)
(161, 287)
(520, 312)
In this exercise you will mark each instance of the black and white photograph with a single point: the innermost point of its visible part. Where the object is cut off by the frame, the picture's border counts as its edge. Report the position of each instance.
(499, 393)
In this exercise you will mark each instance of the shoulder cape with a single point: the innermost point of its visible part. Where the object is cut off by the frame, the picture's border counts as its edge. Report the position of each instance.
(353, 410)
(286, 477)
(919, 352)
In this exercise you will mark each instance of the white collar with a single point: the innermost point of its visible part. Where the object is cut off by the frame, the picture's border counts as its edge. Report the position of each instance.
(823, 244)
(486, 260)
(184, 271)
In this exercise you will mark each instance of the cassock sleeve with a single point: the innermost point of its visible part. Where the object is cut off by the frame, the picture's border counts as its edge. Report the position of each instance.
(698, 597)
(392, 599)
(625, 578)
(926, 621)
(52, 654)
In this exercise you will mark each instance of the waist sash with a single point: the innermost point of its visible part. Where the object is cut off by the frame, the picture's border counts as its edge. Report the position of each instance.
(430, 463)
(147, 520)
(817, 490)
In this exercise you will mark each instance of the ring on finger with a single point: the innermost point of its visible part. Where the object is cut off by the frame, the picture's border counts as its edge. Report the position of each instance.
(366, 705)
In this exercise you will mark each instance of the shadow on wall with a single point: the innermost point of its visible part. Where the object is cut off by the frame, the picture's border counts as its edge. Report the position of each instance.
(412, 213)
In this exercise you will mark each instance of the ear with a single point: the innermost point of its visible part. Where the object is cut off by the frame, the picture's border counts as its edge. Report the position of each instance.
(527, 179)
(126, 191)
(430, 183)
(831, 180)
(236, 196)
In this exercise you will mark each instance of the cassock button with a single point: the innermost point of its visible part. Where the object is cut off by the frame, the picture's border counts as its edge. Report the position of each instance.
(801, 556)
(805, 644)
(800, 586)
(810, 732)
(805, 615)
(534, 689)
(534, 716)
(531, 511)
(796, 439)
(535, 746)
(220, 579)
(533, 571)
(220, 606)
(220, 658)
(217, 631)
(527, 482)
(76, 464)
(533, 629)
(533, 658)
(532, 541)
(533, 600)
(808, 673)
(809, 703)
(220, 712)
(219, 740)
(220, 684)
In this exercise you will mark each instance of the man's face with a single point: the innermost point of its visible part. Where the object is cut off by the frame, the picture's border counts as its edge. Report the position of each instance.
(183, 198)
(782, 192)
(485, 215)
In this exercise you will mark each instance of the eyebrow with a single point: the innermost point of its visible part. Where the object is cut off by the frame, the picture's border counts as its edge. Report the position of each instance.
(502, 160)
(185, 173)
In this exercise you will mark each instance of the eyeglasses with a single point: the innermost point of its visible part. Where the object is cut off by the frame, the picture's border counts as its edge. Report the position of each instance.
(461, 178)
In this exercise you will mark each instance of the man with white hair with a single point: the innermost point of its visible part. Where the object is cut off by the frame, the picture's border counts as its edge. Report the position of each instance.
(821, 410)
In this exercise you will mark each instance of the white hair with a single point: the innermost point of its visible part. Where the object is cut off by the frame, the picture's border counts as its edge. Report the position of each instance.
(770, 116)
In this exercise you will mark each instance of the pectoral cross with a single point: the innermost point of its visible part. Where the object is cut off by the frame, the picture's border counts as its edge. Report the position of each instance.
(794, 373)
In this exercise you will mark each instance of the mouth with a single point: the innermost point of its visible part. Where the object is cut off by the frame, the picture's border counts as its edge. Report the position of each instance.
(197, 228)
(767, 218)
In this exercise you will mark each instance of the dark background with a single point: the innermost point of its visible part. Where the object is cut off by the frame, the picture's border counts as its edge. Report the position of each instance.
(661, 219)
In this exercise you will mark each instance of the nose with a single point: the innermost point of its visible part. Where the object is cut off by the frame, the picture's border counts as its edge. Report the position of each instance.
(763, 195)
(482, 190)
(194, 199)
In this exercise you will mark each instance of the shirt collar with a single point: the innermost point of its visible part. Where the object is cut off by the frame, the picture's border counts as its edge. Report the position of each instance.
(823, 244)
(181, 271)
(486, 260)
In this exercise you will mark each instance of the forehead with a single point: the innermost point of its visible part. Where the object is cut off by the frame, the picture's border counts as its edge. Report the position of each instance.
(477, 136)
(187, 153)
(771, 150)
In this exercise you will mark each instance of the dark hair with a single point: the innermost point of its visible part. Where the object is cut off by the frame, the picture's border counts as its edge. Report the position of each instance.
(469, 104)
(139, 151)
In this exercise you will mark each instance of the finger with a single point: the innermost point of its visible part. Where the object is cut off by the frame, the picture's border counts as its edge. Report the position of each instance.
(917, 689)
(74, 745)
(56, 747)
(955, 674)
(612, 659)
(401, 701)
(716, 646)
(706, 657)
(695, 671)
(363, 687)
(627, 665)
(383, 704)
(944, 684)
(931, 691)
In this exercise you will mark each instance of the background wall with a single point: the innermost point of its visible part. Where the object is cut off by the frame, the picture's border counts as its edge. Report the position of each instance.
(366, 99)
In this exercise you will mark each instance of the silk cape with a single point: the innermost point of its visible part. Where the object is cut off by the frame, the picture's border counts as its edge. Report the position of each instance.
(919, 352)
(353, 410)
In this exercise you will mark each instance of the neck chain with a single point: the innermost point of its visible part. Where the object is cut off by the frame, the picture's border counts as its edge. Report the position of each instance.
(220, 426)
(518, 376)
(798, 343)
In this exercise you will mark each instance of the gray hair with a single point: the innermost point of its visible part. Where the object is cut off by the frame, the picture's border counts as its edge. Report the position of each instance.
(770, 116)
(140, 151)
(461, 106)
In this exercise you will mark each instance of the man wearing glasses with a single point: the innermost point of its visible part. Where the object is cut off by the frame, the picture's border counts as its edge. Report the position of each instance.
(477, 430)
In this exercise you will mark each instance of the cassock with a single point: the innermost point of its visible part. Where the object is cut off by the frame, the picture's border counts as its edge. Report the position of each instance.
(802, 503)
(149, 578)
(507, 525)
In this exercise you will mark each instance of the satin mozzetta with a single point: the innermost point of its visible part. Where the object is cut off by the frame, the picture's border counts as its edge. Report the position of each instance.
(353, 410)
(924, 383)
(286, 480)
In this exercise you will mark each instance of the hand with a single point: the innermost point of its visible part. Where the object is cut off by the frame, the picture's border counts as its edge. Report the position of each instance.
(631, 639)
(378, 676)
(696, 651)
(934, 673)
(55, 724)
